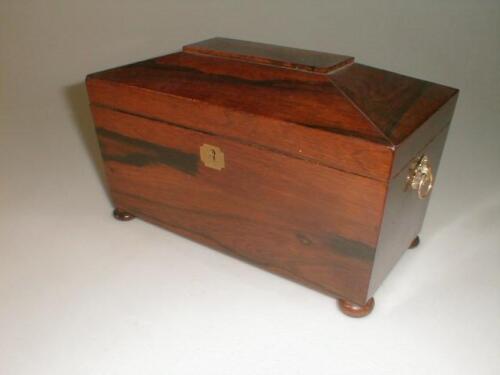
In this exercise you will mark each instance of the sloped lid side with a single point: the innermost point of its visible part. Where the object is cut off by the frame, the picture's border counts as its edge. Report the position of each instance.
(398, 105)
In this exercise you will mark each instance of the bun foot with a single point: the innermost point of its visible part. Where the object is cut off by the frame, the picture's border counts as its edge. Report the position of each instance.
(414, 243)
(356, 311)
(122, 215)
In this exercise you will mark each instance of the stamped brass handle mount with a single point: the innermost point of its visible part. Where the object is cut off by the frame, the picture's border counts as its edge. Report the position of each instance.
(420, 177)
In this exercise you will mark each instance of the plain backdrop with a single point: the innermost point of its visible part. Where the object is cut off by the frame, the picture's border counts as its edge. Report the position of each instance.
(81, 293)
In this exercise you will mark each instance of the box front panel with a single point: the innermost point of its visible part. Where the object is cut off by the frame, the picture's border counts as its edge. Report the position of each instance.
(347, 153)
(303, 220)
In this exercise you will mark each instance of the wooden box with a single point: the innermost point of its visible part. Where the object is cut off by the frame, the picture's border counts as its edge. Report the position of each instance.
(304, 163)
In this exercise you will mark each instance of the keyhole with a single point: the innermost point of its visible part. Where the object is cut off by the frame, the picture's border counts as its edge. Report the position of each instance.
(212, 157)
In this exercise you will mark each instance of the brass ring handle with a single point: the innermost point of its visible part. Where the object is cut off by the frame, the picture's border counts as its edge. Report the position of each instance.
(420, 177)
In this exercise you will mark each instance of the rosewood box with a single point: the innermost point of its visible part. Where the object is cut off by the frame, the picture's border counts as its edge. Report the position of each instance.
(305, 163)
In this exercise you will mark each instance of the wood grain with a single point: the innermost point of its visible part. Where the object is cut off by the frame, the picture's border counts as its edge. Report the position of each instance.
(295, 224)
(404, 214)
(395, 103)
(262, 53)
(316, 150)
(308, 104)
(363, 112)
(346, 153)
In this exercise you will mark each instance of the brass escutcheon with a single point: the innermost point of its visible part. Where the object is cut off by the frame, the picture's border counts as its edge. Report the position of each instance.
(420, 177)
(212, 157)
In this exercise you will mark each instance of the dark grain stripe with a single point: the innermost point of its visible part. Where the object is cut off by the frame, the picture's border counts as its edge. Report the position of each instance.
(234, 139)
(289, 84)
(353, 249)
(149, 153)
(283, 88)
(214, 243)
(292, 98)
(341, 246)
(210, 241)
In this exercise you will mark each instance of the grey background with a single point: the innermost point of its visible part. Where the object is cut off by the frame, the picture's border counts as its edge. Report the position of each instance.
(83, 294)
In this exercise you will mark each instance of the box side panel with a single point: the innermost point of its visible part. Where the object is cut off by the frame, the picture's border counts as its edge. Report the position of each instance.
(300, 219)
(433, 126)
(403, 215)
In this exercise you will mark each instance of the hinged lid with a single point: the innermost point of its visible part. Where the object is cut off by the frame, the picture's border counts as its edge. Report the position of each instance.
(326, 109)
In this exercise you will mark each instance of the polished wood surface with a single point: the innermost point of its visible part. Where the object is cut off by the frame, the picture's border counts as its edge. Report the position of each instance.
(349, 154)
(370, 111)
(354, 310)
(279, 212)
(404, 214)
(270, 54)
(423, 135)
(395, 103)
(313, 185)
(310, 102)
